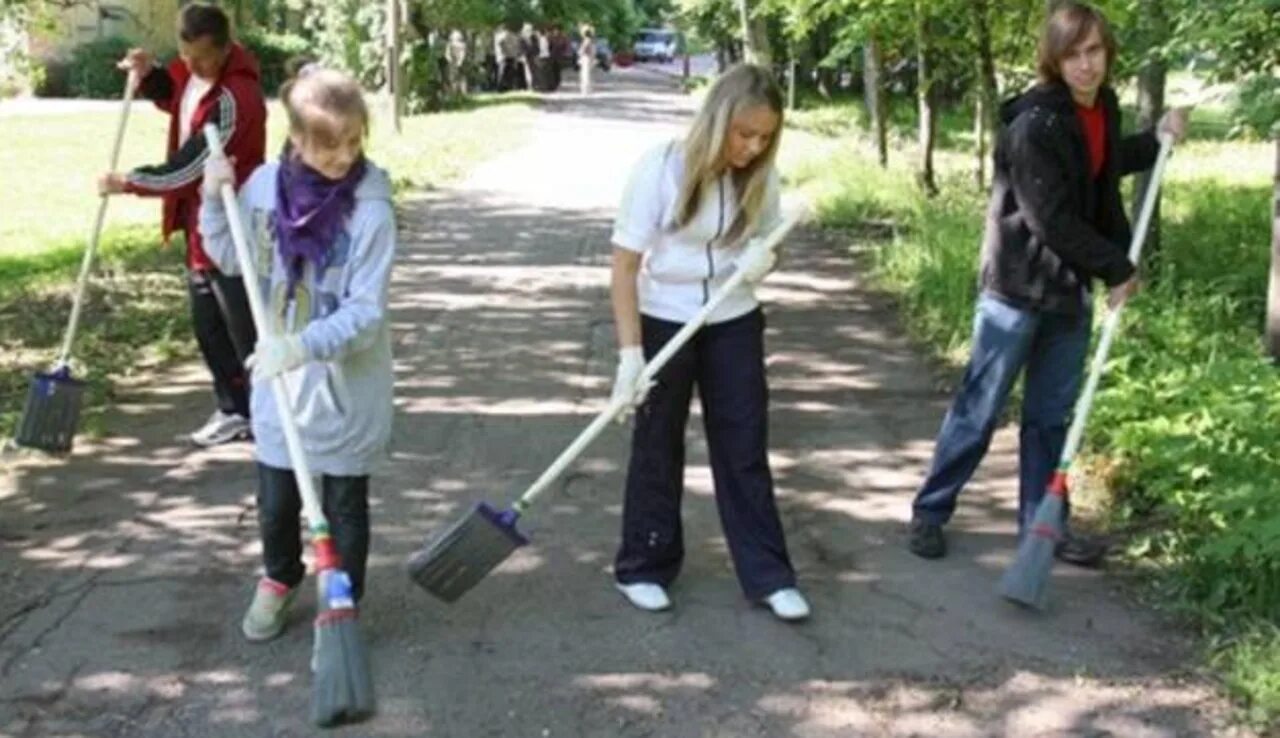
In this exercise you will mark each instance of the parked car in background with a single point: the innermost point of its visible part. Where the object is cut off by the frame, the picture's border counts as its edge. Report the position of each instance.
(655, 44)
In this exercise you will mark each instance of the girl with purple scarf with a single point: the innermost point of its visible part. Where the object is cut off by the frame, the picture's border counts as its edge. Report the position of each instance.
(322, 229)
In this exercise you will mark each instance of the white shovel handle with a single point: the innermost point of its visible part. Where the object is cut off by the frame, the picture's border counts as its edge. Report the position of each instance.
(1085, 403)
(293, 441)
(655, 365)
(86, 263)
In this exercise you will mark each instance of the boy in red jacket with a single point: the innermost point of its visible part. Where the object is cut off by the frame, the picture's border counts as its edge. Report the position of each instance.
(214, 80)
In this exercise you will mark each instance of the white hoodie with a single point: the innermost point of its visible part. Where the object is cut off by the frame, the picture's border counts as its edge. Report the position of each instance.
(683, 268)
(342, 397)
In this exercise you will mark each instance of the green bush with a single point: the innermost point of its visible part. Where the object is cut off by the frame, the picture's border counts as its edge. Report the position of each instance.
(92, 71)
(1190, 407)
(273, 50)
(1256, 106)
(1251, 664)
(53, 79)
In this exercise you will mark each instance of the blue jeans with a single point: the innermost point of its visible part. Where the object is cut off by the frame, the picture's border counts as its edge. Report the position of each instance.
(1007, 339)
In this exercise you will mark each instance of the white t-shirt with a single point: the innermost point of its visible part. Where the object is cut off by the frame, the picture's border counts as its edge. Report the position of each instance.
(196, 89)
(682, 269)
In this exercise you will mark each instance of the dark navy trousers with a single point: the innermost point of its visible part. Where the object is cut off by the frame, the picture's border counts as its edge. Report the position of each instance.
(725, 361)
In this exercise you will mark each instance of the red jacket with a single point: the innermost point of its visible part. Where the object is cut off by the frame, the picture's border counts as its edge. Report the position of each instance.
(235, 104)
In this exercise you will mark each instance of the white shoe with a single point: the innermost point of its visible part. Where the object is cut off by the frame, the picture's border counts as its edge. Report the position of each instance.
(645, 595)
(788, 604)
(221, 428)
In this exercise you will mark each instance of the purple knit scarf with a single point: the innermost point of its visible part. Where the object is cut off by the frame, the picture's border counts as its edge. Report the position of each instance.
(310, 211)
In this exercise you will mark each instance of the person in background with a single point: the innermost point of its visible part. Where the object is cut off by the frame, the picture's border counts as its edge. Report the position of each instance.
(586, 59)
(213, 80)
(456, 57)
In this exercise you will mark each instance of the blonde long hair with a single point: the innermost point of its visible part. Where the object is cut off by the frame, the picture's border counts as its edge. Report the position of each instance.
(742, 87)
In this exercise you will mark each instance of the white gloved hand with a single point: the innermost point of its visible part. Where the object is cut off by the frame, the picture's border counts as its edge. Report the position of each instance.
(630, 366)
(756, 261)
(275, 355)
(218, 170)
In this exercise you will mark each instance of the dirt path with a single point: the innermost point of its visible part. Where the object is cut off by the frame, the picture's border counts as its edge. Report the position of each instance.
(123, 573)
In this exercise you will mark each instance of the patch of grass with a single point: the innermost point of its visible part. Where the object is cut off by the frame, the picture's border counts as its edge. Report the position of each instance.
(136, 314)
(50, 163)
(134, 317)
(1251, 667)
(49, 167)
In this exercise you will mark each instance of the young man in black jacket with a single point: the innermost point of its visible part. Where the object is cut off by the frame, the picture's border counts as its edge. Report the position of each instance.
(1055, 224)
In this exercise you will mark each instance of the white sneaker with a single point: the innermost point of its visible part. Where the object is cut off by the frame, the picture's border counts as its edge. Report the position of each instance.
(221, 428)
(788, 604)
(645, 595)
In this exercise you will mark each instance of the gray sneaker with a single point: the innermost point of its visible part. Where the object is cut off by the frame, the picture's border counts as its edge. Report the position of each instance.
(221, 428)
(265, 618)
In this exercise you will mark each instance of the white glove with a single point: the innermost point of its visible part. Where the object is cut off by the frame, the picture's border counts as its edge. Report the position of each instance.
(275, 355)
(756, 261)
(625, 382)
(217, 172)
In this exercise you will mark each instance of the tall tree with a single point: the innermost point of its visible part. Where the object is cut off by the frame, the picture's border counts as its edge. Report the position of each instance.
(985, 98)
(873, 91)
(755, 38)
(926, 96)
(1153, 34)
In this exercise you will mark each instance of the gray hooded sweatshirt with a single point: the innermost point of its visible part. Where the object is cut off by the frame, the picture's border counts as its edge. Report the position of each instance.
(342, 396)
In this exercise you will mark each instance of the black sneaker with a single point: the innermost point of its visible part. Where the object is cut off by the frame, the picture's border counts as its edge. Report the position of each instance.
(1080, 551)
(927, 540)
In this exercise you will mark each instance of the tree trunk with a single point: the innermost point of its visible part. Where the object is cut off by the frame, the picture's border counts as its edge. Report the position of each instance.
(744, 17)
(684, 57)
(1273, 289)
(1151, 86)
(819, 47)
(791, 81)
(282, 16)
(873, 90)
(394, 84)
(760, 42)
(925, 97)
(755, 38)
(980, 142)
(987, 103)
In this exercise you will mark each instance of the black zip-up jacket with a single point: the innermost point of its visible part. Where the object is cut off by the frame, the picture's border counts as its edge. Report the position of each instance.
(1051, 227)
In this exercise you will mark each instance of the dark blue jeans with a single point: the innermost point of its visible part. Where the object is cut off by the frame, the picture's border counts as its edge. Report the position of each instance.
(1006, 340)
(725, 361)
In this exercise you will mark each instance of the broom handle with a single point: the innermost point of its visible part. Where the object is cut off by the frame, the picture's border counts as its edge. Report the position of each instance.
(280, 389)
(86, 264)
(1112, 323)
(677, 342)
